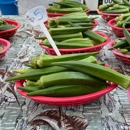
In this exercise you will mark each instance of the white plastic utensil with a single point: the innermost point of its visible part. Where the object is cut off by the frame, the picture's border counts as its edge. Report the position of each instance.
(37, 16)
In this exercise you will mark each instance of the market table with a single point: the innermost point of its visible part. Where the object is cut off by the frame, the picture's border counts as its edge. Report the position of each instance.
(110, 112)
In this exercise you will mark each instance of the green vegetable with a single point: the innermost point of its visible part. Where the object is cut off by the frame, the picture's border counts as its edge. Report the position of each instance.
(1, 48)
(64, 21)
(66, 90)
(22, 71)
(103, 7)
(67, 30)
(124, 16)
(117, 11)
(94, 36)
(128, 53)
(126, 33)
(31, 83)
(116, 1)
(35, 74)
(62, 37)
(97, 71)
(43, 62)
(123, 50)
(6, 27)
(70, 45)
(126, 2)
(69, 78)
(71, 4)
(30, 89)
(63, 10)
(121, 43)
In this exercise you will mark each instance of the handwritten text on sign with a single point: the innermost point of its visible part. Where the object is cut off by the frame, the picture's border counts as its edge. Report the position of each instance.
(36, 15)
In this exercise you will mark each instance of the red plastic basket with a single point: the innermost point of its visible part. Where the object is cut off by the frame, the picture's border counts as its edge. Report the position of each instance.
(79, 50)
(124, 58)
(107, 16)
(66, 101)
(50, 14)
(10, 32)
(6, 45)
(117, 30)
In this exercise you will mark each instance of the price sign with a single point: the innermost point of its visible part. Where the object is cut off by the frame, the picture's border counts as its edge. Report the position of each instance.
(37, 16)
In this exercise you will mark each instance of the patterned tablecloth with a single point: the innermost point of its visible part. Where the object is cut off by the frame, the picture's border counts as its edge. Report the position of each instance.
(110, 112)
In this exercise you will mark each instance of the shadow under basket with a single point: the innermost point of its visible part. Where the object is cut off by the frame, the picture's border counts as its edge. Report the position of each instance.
(124, 58)
(5, 45)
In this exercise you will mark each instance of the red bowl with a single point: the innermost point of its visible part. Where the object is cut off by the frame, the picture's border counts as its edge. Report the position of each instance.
(107, 16)
(118, 31)
(79, 50)
(124, 58)
(50, 14)
(6, 45)
(6, 34)
(66, 101)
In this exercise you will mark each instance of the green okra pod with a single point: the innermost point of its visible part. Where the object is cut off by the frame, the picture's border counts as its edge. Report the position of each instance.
(69, 78)
(126, 2)
(66, 90)
(35, 74)
(97, 71)
(44, 62)
(30, 89)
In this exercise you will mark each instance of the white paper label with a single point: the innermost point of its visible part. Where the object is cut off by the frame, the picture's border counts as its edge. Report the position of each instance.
(36, 15)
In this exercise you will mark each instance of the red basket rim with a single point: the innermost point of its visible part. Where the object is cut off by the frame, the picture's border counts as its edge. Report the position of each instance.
(56, 100)
(6, 43)
(81, 49)
(17, 25)
(61, 14)
(101, 13)
(111, 24)
(116, 52)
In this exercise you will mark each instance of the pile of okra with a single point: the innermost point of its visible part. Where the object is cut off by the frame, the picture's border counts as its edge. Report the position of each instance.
(122, 18)
(72, 30)
(4, 25)
(67, 75)
(67, 6)
(116, 7)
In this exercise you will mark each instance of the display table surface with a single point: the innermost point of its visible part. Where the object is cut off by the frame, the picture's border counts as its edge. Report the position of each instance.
(110, 112)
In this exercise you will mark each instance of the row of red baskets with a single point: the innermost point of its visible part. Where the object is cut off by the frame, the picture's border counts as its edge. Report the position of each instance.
(118, 31)
(110, 18)
(6, 35)
(69, 101)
